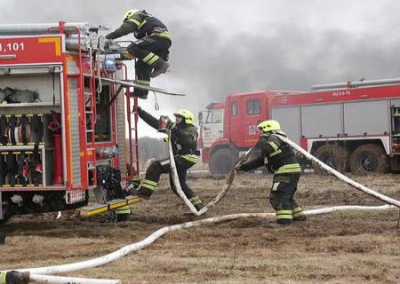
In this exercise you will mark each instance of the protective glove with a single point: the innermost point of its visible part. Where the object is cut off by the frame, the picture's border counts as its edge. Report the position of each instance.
(170, 125)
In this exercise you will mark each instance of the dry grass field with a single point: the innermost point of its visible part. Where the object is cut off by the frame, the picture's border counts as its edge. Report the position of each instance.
(341, 247)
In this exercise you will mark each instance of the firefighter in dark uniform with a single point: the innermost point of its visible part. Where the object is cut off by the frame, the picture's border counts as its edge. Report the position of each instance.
(184, 145)
(280, 159)
(151, 49)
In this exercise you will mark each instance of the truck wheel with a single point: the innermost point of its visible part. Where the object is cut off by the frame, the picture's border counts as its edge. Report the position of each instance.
(334, 156)
(222, 161)
(369, 158)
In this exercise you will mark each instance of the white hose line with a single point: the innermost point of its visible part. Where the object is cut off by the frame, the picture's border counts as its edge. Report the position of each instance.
(340, 176)
(157, 234)
(230, 178)
(68, 280)
(175, 179)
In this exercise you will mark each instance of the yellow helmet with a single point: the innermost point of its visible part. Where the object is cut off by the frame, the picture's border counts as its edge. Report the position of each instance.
(129, 14)
(186, 114)
(269, 125)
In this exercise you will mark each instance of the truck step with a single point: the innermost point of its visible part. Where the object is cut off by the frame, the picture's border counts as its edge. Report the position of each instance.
(112, 205)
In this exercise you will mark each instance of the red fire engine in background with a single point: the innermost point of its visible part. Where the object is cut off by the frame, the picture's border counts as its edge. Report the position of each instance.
(63, 116)
(354, 126)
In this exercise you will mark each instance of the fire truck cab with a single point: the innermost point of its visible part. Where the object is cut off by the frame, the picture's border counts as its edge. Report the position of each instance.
(351, 126)
(62, 127)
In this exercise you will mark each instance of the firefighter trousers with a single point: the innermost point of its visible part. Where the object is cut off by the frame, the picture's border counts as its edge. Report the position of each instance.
(282, 198)
(151, 52)
(163, 166)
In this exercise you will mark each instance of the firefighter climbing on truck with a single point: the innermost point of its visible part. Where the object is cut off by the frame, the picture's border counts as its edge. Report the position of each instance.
(151, 49)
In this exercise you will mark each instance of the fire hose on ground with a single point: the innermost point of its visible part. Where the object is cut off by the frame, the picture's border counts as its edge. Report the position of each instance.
(41, 273)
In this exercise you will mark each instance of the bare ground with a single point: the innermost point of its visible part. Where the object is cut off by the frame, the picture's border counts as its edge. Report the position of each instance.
(342, 247)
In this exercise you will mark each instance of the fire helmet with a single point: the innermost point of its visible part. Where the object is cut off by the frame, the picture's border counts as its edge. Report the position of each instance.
(269, 125)
(129, 14)
(186, 114)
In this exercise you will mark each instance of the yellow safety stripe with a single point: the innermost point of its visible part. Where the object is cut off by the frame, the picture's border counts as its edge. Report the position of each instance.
(297, 210)
(275, 153)
(298, 214)
(149, 184)
(3, 275)
(195, 200)
(284, 214)
(143, 82)
(148, 57)
(274, 145)
(123, 210)
(166, 139)
(289, 168)
(154, 59)
(135, 21)
(144, 21)
(164, 34)
(191, 158)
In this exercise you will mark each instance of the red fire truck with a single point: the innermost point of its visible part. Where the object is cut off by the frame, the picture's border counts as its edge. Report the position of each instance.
(63, 105)
(352, 126)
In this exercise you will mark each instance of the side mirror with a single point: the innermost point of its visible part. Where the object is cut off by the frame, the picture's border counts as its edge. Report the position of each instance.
(200, 118)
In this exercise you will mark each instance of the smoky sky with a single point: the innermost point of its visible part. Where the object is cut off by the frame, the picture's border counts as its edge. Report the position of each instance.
(223, 46)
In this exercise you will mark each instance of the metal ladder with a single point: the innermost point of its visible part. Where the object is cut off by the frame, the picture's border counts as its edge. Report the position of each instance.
(133, 118)
(90, 120)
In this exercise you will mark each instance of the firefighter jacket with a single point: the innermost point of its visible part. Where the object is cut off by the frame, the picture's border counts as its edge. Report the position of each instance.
(141, 24)
(183, 137)
(278, 156)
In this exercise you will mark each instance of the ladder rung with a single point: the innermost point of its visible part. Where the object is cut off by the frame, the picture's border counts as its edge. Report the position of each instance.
(88, 111)
(89, 130)
(90, 149)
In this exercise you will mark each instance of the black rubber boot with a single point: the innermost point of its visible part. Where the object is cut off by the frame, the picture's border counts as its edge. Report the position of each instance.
(141, 192)
(158, 70)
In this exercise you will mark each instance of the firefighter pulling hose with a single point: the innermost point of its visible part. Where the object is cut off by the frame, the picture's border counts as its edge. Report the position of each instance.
(278, 158)
(183, 155)
(340, 176)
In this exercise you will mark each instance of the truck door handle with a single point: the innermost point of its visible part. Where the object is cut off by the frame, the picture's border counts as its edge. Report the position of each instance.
(8, 56)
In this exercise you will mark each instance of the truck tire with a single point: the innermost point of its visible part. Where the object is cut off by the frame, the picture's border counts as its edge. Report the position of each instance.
(222, 161)
(334, 156)
(369, 158)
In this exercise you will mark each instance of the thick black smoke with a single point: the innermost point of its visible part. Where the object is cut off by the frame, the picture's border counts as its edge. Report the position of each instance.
(216, 52)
